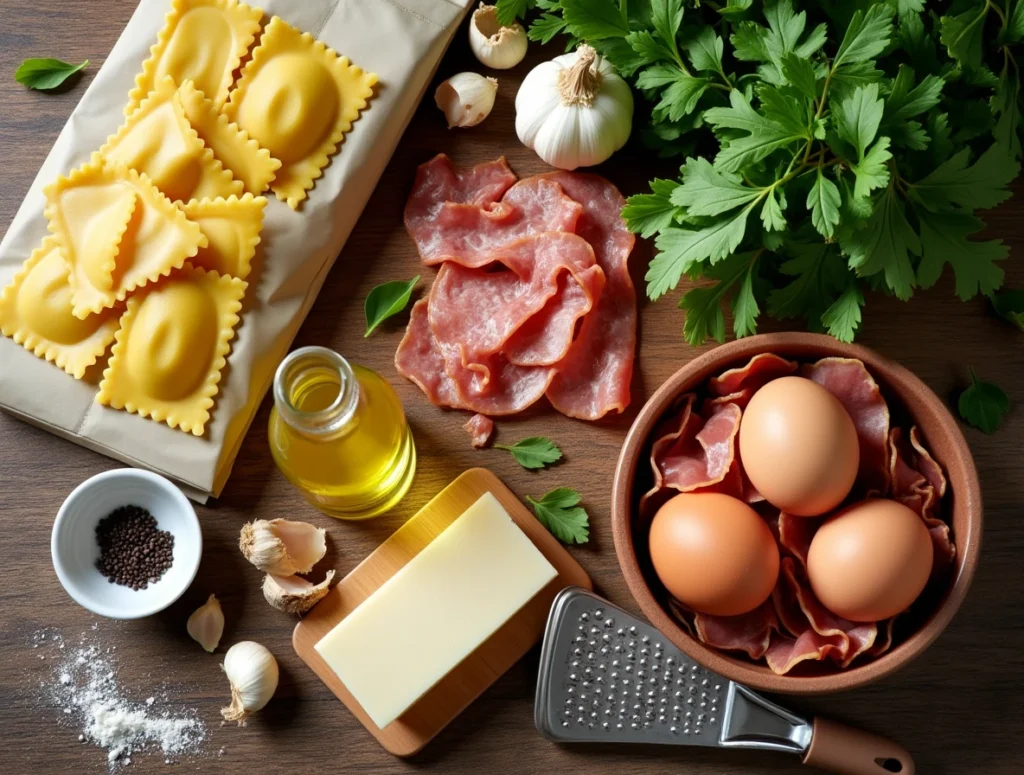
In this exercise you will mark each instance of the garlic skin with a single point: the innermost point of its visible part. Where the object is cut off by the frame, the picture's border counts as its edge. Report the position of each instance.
(282, 546)
(253, 674)
(496, 46)
(466, 99)
(294, 594)
(206, 624)
(574, 111)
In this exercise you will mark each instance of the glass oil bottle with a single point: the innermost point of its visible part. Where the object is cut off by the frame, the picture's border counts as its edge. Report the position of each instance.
(339, 434)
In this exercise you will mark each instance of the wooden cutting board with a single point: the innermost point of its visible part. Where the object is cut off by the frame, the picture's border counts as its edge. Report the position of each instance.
(468, 680)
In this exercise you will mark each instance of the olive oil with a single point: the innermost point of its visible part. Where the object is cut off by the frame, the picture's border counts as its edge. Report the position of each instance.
(339, 434)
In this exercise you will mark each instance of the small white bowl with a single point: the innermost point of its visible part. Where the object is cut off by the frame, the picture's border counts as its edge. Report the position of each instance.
(75, 550)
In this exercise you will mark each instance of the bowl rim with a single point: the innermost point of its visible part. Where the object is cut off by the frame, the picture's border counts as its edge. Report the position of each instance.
(154, 481)
(758, 676)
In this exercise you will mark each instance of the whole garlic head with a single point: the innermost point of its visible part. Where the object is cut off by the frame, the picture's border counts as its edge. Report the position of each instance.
(496, 46)
(466, 98)
(575, 110)
(294, 594)
(282, 546)
(253, 674)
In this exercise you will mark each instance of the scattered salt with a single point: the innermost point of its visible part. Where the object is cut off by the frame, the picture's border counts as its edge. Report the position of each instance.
(150, 700)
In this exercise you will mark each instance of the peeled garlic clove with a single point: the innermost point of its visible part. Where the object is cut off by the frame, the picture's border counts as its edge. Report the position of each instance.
(466, 98)
(293, 594)
(206, 624)
(282, 546)
(496, 46)
(253, 673)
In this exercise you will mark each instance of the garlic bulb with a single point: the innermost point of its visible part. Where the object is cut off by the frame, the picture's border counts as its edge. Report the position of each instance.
(574, 111)
(281, 546)
(293, 594)
(252, 672)
(206, 624)
(466, 98)
(496, 46)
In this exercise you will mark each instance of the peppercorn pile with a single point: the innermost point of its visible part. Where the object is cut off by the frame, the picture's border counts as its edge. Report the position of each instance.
(133, 551)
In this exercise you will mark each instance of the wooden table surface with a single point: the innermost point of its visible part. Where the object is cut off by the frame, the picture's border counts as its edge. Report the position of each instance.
(957, 708)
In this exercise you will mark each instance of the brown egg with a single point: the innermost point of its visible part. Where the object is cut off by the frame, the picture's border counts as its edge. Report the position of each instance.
(799, 446)
(870, 561)
(714, 553)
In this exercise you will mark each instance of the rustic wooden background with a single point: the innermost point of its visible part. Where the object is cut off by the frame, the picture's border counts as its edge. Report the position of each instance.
(957, 708)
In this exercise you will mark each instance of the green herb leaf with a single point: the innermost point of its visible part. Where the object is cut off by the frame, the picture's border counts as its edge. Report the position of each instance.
(560, 513)
(983, 184)
(647, 214)
(734, 7)
(594, 19)
(859, 116)
(963, 34)
(771, 213)
(545, 27)
(799, 71)
(682, 249)
(885, 244)
(705, 51)
(1005, 105)
(983, 404)
(707, 191)
(819, 275)
(533, 452)
(45, 73)
(872, 171)
(681, 97)
(866, 36)
(906, 100)
(386, 300)
(703, 304)
(1015, 24)
(510, 10)
(823, 201)
(842, 319)
(1009, 305)
(766, 136)
(667, 18)
(944, 241)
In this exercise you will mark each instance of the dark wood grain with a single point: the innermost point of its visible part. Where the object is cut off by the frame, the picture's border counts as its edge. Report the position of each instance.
(957, 708)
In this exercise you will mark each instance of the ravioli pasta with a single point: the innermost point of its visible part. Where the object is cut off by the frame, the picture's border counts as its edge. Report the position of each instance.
(35, 311)
(171, 347)
(324, 92)
(232, 230)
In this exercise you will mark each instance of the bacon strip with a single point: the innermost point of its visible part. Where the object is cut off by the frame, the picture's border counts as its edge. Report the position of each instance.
(919, 483)
(750, 632)
(738, 385)
(796, 534)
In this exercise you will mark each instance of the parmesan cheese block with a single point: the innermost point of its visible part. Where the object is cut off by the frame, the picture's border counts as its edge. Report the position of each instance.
(436, 610)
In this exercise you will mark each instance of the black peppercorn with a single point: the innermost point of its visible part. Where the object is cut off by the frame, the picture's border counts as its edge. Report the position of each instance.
(133, 551)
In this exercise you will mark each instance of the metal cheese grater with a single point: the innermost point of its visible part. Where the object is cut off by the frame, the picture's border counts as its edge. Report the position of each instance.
(605, 676)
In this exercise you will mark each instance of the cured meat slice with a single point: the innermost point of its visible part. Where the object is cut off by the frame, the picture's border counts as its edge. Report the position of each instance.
(738, 385)
(473, 313)
(697, 459)
(884, 641)
(796, 534)
(920, 491)
(467, 233)
(594, 377)
(926, 464)
(480, 427)
(750, 632)
(784, 653)
(438, 181)
(849, 381)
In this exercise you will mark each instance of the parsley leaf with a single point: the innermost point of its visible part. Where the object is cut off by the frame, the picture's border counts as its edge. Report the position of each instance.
(594, 19)
(766, 135)
(533, 452)
(944, 240)
(823, 202)
(705, 51)
(682, 249)
(1009, 305)
(872, 170)
(906, 100)
(980, 185)
(859, 116)
(866, 36)
(46, 73)
(385, 301)
(885, 244)
(647, 214)
(962, 34)
(545, 27)
(707, 191)
(703, 304)
(842, 318)
(560, 513)
(680, 98)
(983, 404)
(819, 274)
(510, 10)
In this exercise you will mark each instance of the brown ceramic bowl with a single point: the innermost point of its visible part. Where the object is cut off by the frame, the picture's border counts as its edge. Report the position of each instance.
(907, 394)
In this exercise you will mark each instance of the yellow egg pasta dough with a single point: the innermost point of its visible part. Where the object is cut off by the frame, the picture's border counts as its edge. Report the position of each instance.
(233, 147)
(35, 311)
(158, 139)
(202, 41)
(324, 94)
(171, 347)
(232, 229)
(102, 202)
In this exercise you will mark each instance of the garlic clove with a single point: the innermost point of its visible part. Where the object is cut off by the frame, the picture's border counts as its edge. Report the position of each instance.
(466, 99)
(496, 46)
(282, 546)
(253, 674)
(206, 624)
(294, 594)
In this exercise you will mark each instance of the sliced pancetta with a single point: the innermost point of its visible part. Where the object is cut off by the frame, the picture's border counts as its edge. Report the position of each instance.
(750, 632)
(480, 427)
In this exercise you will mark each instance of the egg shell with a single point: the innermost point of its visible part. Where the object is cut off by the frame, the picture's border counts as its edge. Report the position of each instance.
(798, 446)
(870, 561)
(714, 553)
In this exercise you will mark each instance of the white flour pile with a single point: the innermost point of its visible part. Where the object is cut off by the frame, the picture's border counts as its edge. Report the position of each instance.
(84, 686)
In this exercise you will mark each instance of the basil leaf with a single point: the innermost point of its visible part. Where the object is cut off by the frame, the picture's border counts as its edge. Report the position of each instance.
(386, 300)
(983, 404)
(534, 452)
(45, 73)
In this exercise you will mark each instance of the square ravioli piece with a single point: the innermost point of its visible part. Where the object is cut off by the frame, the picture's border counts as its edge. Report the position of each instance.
(202, 41)
(232, 146)
(171, 347)
(35, 311)
(232, 229)
(324, 93)
(117, 232)
(158, 140)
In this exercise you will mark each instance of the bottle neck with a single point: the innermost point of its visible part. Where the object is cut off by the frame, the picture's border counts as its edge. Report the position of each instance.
(316, 392)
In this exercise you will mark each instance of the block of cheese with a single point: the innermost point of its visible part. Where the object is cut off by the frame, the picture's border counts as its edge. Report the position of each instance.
(429, 616)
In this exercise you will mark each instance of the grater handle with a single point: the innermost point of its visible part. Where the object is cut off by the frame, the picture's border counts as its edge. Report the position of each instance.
(844, 750)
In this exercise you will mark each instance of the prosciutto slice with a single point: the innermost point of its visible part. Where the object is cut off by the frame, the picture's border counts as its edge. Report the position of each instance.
(919, 483)
(849, 381)
(438, 181)
(700, 453)
(595, 375)
(750, 632)
(738, 385)
(479, 427)
(796, 534)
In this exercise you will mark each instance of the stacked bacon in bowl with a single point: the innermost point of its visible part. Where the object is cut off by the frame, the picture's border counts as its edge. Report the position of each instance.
(532, 297)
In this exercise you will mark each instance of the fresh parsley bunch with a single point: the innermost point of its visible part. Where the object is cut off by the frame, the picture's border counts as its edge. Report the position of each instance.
(831, 149)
